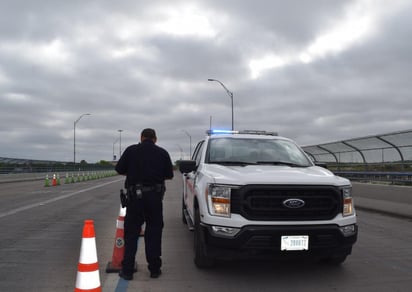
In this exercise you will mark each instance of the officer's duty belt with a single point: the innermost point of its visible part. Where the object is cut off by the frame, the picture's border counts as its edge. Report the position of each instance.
(150, 188)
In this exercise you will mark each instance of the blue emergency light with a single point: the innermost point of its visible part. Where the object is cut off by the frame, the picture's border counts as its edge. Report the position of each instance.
(217, 131)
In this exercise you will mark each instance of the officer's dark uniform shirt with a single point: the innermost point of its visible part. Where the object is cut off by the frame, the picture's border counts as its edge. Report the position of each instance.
(145, 163)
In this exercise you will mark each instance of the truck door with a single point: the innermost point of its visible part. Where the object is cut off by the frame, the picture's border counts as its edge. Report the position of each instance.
(190, 185)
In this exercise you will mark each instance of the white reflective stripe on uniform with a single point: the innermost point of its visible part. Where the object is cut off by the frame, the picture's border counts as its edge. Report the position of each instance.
(88, 280)
(88, 251)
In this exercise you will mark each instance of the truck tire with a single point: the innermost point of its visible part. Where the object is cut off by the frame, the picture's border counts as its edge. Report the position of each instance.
(335, 260)
(201, 259)
(183, 211)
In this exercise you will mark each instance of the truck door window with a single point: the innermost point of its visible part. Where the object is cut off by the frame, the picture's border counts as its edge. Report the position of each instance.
(197, 155)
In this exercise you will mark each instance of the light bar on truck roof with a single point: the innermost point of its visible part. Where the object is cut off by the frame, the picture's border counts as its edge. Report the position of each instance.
(250, 132)
(258, 132)
(216, 131)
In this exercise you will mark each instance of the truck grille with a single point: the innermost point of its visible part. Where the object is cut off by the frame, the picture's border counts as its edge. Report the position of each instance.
(257, 202)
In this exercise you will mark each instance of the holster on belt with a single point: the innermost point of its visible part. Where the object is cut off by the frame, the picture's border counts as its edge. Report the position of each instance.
(123, 198)
(135, 192)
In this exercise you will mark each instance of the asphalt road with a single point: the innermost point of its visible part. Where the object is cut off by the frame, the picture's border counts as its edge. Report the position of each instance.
(40, 238)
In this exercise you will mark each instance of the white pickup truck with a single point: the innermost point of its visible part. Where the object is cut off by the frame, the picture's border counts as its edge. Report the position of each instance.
(255, 194)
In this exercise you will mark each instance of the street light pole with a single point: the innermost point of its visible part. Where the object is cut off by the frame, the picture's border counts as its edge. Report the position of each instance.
(120, 143)
(74, 138)
(181, 151)
(230, 95)
(114, 157)
(190, 143)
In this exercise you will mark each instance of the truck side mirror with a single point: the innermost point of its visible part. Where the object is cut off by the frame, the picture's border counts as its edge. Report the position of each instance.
(186, 166)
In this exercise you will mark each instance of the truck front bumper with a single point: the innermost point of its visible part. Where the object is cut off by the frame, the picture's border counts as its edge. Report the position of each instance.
(254, 241)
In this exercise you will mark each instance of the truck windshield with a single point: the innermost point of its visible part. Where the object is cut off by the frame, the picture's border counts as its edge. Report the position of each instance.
(246, 151)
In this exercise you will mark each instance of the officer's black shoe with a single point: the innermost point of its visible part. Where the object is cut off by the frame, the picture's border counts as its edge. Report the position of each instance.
(155, 274)
(127, 277)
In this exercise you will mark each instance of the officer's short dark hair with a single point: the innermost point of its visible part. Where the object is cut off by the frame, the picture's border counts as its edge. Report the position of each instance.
(149, 133)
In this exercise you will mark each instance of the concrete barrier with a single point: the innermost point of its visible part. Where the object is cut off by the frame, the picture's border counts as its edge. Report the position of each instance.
(388, 199)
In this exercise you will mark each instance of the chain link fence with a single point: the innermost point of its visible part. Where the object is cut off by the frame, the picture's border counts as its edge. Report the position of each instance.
(385, 157)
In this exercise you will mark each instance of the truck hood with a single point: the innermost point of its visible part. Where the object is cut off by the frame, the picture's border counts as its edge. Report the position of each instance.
(272, 174)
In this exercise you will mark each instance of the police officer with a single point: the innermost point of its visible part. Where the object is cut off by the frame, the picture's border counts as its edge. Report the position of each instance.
(146, 167)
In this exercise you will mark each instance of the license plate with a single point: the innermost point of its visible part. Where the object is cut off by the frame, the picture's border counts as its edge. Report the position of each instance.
(294, 242)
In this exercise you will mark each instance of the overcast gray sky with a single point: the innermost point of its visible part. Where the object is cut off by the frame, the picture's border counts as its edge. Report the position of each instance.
(315, 71)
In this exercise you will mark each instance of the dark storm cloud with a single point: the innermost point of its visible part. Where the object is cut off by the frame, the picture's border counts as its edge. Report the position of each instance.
(136, 64)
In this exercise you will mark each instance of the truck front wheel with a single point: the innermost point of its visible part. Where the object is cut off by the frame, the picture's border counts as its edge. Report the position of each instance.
(201, 259)
(335, 260)
(183, 211)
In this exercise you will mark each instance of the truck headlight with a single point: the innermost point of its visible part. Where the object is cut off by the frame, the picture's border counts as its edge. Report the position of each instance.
(348, 208)
(218, 198)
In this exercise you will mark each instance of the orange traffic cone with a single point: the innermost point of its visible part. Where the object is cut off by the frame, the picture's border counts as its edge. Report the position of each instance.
(88, 278)
(54, 180)
(118, 250)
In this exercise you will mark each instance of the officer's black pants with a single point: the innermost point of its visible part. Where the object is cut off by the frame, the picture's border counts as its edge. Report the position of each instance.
(149, 209)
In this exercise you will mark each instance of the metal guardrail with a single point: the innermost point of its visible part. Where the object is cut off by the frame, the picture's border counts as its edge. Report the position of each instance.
(20, 166)
(52, 168)
(376, 150)
(66, 176)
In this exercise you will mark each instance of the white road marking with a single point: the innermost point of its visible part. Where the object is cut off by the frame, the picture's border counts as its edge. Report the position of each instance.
(27, 207)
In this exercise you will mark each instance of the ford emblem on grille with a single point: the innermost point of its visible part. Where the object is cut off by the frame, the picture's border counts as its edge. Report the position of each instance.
(293, 203)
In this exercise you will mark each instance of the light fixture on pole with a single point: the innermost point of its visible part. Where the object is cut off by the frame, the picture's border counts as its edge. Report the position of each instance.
(230, 95)
(74, 138)
(190, 143)
(114, 156)
(120, 143)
